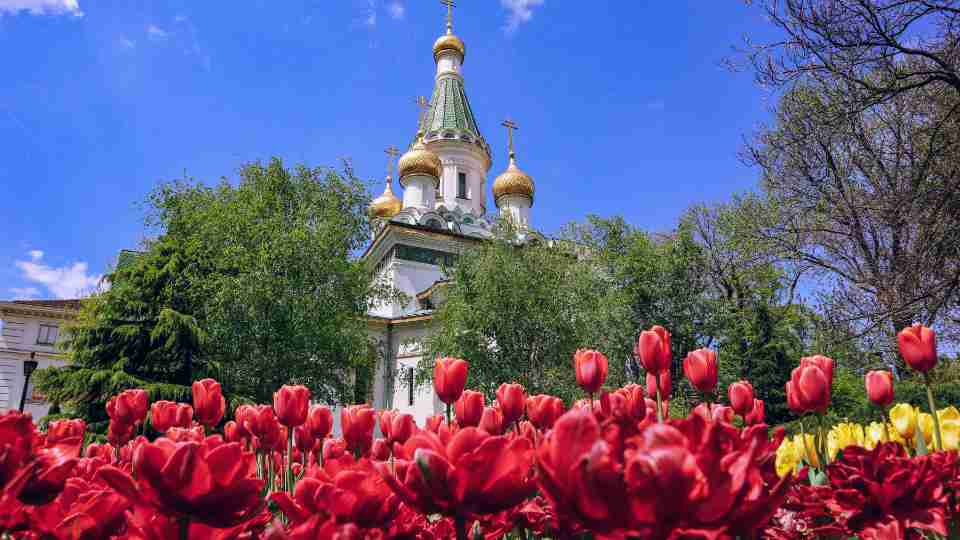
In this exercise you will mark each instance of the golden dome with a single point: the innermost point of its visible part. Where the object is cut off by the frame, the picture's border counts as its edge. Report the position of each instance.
(449, 42)
(387, 205)
(419, 160)
(513, 182)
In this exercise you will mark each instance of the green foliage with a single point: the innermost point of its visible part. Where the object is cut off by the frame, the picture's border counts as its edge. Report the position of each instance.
(254, 284)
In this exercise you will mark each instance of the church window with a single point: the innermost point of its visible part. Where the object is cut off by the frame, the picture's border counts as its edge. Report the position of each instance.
(48, 334)
(462, 186)
(410, 386)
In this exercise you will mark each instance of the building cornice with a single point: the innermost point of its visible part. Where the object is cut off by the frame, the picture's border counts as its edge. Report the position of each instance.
(39, 312)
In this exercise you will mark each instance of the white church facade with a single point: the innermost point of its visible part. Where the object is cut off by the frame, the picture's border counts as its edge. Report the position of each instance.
(443, 210)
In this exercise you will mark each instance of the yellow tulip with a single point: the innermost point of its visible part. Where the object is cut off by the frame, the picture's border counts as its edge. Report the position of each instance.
(874, 435)
(843, 435)
(950, 413)
(904, 419)
(925, 423)
(788, 458)
(950, 429)
(807, 447)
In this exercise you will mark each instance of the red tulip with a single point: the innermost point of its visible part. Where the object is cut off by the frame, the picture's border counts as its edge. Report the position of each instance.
(320, 422)
(741, 397)
(918, 347)
(303, 440)
(59, 430)
(177, 434)
(433, 423)
(291, 404)
(825, 364)
(128, 407)
(119, 433)
(402, 427)
(663, 381)
(591, 369)
(357, 423)
(512, 399)
(449, 379)
(809, 388)
(385, 418)
(44, 477)
(380, 450)
(653, 349)
(232, 432)
(544, 410)
(756, 416)
(209, 482)
(17, 440)
(474, 473)
(625, 405)
(492, 421)
(879, 388)
(469, 408)
(261, 422)
(700, 367)
(167, 414)
(208, 402)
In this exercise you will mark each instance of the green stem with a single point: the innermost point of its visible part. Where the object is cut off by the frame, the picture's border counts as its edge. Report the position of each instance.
(933, 412)
(184, 526)
(448, 414)
(288, 473)
(659, 405)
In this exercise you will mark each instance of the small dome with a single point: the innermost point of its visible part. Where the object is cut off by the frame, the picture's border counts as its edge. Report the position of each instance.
(387, 205)
(420, 160)
(449, 42)
(513, 182)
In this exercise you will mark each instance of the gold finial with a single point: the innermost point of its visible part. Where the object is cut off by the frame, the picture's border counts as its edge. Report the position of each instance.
(450, 5)
(393, 152)
(510, 125)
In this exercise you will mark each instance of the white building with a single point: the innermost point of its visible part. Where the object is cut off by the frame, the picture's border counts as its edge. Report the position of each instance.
(443, 210)
(30, 331)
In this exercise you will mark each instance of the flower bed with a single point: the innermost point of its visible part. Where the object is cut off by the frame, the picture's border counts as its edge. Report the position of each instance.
(610, 466)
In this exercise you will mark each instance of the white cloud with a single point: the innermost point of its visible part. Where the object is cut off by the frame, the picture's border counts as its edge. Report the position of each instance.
(155, 32)
(42, 7)
(35, 254)
(371, 19)
(24, 293)
(396, 9)
(521, 11)
(71, 281)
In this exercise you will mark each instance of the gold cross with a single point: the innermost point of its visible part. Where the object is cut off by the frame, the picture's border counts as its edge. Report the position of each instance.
(393, 152)
(423, 105)
(450, 5)
(510, 125)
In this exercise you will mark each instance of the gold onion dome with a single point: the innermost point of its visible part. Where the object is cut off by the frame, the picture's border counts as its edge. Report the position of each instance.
(449, 42)
(387, 205)
(513, 181)
(420, 160)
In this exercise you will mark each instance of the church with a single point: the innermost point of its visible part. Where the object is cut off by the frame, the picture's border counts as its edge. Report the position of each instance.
(443, 210)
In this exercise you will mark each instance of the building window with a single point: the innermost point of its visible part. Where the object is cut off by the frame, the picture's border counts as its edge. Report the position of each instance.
(410, 386)
(48, 334)
(462, 186)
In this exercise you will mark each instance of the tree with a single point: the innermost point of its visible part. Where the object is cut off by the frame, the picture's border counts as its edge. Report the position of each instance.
(255, 284)
(911, 44)
(868, 200)
(518, 311)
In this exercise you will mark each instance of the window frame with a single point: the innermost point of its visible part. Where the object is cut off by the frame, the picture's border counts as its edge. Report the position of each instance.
(43, 337)
(462, 182)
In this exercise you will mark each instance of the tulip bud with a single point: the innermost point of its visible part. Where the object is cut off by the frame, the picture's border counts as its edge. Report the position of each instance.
(320, 422)
(232, 432)
(118, 434)
(291, 404)
(741, 397)
(402, 427)
(653, 349)
(433, 423)
(511, 398)
(810, 384)
(491, 421)
(128, 407)
(357, 423)
(756, 416)
(380, 450)
(543, 410)
(167, 414)
(385, 419)
(904, 419)
(879, 388)
(208, 402)
(591, 369)
(700, 367)
(449, 379)
(333, 449)
(918, 347)
(469, 408)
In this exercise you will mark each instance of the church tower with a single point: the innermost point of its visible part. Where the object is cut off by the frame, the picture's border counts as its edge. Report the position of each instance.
(450, 130)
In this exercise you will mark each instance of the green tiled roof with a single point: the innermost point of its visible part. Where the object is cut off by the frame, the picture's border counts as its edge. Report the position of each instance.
(450, 109)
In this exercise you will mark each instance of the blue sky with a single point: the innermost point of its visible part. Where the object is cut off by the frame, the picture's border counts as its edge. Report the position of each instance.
(624, 107)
